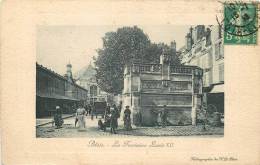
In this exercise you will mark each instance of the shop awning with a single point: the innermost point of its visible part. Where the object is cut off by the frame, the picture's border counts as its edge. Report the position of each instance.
(218, 89)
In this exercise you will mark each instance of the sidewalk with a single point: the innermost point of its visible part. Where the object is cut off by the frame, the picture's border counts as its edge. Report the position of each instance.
(173, 131)
(49, 119)
(69, 130)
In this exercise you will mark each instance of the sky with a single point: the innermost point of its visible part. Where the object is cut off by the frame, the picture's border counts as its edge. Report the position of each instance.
(59, 45)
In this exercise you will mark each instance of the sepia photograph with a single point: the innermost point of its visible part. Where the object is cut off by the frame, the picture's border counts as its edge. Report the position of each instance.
(126, 81)
(129, 82)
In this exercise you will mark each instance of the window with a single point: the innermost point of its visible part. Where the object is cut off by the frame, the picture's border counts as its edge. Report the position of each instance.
(221, 72)
(208, 37)
(200, 29)
(219, 53)
(142, 69)
(219, 32)
(93, 90)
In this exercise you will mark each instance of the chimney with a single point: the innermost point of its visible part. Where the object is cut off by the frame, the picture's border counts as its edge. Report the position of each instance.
(191, 35)
(189, 39)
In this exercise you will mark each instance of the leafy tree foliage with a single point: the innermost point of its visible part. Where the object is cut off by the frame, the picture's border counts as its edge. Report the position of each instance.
(153, 52)
(121, 47)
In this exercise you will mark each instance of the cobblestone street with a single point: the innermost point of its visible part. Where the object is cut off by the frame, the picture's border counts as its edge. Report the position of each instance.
(68, 130)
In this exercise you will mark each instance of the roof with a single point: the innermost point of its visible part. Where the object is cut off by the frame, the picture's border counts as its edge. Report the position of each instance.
(85, 73)
(57, 75)
(59, 97)
(182, 66)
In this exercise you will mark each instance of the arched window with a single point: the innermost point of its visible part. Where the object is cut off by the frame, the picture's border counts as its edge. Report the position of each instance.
(93, 90)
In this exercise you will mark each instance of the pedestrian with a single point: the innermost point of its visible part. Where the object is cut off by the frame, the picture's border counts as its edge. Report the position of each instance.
(58, 117)
(204, 118)
(107, 112)
(101, 125)
(86, 109)
(159, 118)
(89, 109)
(76, 120)
(127, 118)
(106, 115)
(117, 114)
(113, 121)
(164, 116)
(80, 115)
(157, 115)
(91, 112)
(108, 108)
(120, 107)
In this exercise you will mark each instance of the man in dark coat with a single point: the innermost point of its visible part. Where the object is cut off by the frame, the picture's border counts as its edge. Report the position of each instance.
(127, 118)
(117, 114)
(89, 109)
(113, 121)
(92, 111)
(164, 116)
(108, 109)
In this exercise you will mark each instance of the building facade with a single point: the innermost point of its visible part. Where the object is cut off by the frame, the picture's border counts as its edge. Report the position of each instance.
(53, 89)
(148, 87)
(87, 79)
(204, 48)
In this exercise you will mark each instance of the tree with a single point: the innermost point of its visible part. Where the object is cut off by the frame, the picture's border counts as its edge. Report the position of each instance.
(123, 47)
(153, 52)
(119, 48)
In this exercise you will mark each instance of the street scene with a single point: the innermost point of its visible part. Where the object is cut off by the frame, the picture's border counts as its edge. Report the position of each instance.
(68, 130)
(123, 81)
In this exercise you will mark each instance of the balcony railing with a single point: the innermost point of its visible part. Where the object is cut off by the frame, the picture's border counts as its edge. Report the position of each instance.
(182, 69)
(147, 68)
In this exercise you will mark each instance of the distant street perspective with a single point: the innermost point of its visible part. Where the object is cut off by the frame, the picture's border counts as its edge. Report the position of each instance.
(136, 83)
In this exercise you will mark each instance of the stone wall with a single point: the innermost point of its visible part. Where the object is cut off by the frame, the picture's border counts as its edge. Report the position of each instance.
(169, 100)
(148, 87)
(178, 106)
(176, 115)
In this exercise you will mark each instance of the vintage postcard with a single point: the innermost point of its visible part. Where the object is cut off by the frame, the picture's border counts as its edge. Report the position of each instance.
(130, 82)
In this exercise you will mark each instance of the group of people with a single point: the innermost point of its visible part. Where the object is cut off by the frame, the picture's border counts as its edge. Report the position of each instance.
(80, 117)
(162, 116)
(111, 117)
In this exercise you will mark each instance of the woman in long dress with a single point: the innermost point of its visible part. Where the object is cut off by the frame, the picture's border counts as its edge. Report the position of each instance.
(80, 115)
(58, 117)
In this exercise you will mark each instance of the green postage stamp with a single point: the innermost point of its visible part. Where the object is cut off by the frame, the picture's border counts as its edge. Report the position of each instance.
(240, 23)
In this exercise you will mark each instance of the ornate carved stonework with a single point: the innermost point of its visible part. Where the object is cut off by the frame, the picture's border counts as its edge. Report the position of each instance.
(179, 86)
(149, 68)
(154, 85)
(165, 83)
(197, 85)
(184, 70)
(151, 84)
